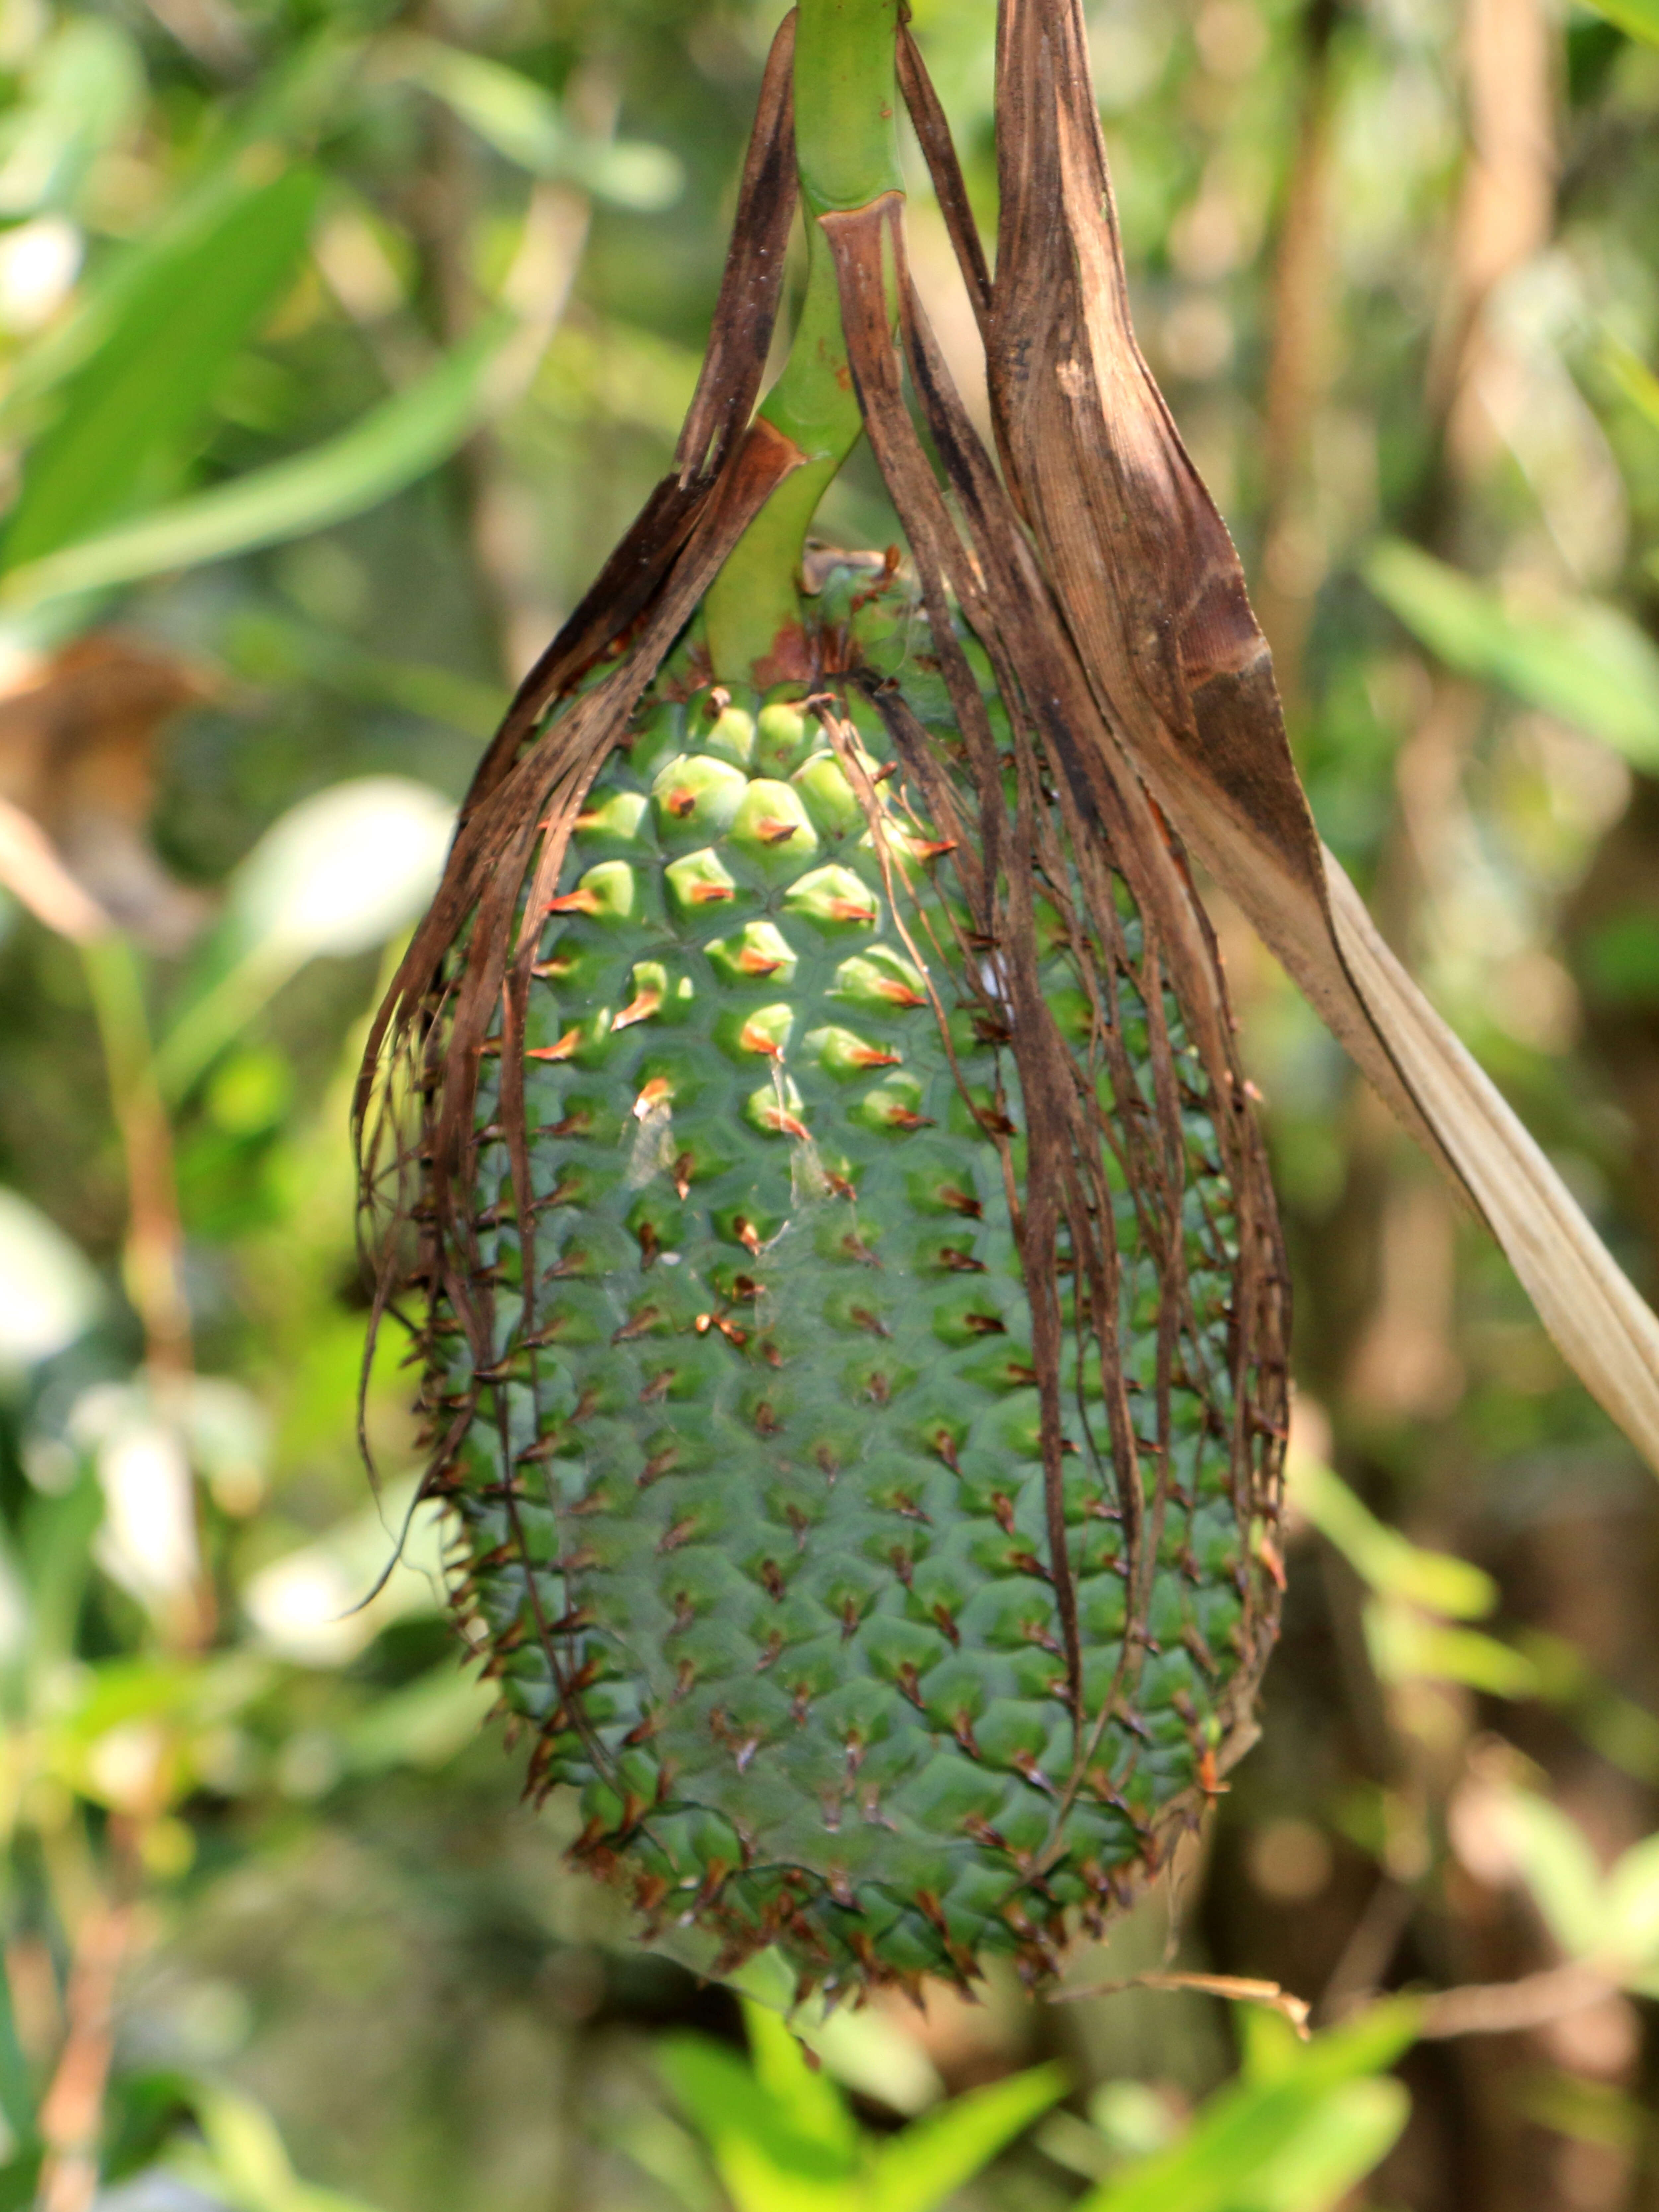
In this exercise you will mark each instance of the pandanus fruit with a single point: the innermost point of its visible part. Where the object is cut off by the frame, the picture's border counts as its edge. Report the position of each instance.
(809, 1128)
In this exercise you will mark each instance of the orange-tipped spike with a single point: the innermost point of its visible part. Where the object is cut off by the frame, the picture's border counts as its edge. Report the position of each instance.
(566, 1045)
(640, 1009)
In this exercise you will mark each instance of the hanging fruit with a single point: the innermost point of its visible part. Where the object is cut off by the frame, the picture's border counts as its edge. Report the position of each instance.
(850, 1295)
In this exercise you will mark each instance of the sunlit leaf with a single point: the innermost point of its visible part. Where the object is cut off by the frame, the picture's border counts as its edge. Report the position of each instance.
(155, 371)
(1586, 662)
(424, 1724)
(50, 1293)
(867, 2050)
(1405, 1646)
(342, 870)
(313, 1605)
(766, 2164)
(1628, 371)
(289, 102)
(765, 1978)
(1625, 1733)
(147, 1542)
(339, 873)
(1381, 1556)
(917, 2171)
(390, 446)
(1639, 19)
(1631, 1904)
(1554, 1858)
(1345, 2136)
(84, 94)
(664, 2150)
(1242, 2131)
(524, 123)
(243, 2161)
(807, 2098)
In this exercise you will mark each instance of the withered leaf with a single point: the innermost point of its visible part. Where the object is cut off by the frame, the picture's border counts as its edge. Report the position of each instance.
(1153, 595)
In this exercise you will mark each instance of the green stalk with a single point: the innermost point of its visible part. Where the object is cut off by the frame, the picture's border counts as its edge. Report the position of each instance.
(847, 148)
(153, 1261)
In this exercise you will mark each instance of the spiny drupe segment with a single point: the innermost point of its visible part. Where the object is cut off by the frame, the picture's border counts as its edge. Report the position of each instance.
(754, 1509)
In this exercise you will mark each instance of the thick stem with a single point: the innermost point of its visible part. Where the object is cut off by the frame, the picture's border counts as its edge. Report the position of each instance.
(846, 96)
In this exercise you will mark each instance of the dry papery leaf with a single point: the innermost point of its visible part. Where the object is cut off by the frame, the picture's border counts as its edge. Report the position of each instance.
(80, 739)
(1153, 596)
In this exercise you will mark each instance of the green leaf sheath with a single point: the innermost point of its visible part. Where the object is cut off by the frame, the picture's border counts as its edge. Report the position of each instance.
(845, 97)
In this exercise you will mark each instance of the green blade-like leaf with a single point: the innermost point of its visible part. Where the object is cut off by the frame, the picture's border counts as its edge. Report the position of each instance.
(808, 2100)
(524, 125)
(292, 98)
(1589, 664)
(1558, 1866)
(339, 872)
(765, 2163)
(1632, 1904)
(388, 448)
(1404, 1646)
(1631, 373)
(155, 371)
(934, 2156)
(1638, 19)
(1383, 1557)
(50, 1292)
(56, 1566)
(84, 94)
(263, 647)
(17, 2103)
(247, 2162)
(1348, 2132)
(1246, 2126)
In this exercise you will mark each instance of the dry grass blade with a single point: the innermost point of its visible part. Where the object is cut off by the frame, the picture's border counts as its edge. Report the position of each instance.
(1153, 594)
(1603, 1329)
(1237, 1989)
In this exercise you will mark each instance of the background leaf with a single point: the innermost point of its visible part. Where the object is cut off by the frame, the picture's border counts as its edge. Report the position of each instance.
(937, 2154)
(1239, 2141)
(122, 416)
(524, 123)
(392, 446)
(1587, 663)
(1638, 18)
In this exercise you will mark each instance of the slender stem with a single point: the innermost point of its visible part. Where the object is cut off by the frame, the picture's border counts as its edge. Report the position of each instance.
(154, 1259)
(72, 2115)
(847, 147)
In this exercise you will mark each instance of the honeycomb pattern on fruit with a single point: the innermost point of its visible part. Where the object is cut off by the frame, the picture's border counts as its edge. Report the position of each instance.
(753, 1492)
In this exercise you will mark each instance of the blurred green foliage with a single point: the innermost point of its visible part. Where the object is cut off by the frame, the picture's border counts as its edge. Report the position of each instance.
(338, 344)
